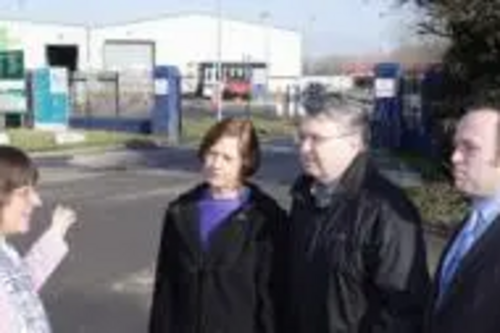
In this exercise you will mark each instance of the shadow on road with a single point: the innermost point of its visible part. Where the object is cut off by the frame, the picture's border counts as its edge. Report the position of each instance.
(86, 311)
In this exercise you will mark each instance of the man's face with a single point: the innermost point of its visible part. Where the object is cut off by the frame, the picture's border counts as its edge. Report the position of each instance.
(476, 169)
(326, 147)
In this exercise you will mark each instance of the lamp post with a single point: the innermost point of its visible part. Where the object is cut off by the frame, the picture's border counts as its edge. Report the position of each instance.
(307, 42)
(264, 17)
(218, 70)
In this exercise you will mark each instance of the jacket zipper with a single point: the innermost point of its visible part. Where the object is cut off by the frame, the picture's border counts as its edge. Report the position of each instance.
(199, 296)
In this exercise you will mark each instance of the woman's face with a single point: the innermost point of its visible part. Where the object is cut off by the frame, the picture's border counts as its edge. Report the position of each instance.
(17, 210)
(223, 164)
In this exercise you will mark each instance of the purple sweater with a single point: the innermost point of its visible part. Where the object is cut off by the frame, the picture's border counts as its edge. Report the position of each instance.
(213, 212)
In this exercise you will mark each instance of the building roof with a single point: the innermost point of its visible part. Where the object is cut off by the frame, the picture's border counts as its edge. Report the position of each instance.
(161, 16)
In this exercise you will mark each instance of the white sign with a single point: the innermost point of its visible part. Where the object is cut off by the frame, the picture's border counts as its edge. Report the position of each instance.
(68, 137)
(385, 88)
(58, 81)
(13, 101)
(161, 87)
(259, 76)
(12, 85)
(4, 138)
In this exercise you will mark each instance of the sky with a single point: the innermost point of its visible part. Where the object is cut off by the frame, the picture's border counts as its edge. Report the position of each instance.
(328, 26)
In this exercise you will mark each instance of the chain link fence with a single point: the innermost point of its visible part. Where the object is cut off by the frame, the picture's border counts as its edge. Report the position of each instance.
(125, 94)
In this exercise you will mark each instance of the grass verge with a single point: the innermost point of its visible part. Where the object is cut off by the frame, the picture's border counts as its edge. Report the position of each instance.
(267, 127)
(193, 130)
(37, 141)
(440, 204)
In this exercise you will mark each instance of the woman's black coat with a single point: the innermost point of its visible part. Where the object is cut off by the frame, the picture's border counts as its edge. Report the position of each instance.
(234, 286)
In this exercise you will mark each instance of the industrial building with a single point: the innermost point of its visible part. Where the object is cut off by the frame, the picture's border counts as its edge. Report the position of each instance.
(196, 43)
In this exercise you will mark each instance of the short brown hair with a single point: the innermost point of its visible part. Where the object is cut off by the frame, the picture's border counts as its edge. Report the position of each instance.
(249, 143)
(16, 170)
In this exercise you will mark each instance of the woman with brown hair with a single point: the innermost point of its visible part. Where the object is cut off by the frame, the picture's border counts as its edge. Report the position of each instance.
(21, 278)
(220, 267)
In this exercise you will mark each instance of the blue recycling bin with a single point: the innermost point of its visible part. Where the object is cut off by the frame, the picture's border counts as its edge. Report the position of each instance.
(50, 97)
(387, 113)
(166, 113)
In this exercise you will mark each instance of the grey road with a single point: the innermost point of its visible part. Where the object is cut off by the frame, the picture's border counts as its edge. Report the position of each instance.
(104, 284)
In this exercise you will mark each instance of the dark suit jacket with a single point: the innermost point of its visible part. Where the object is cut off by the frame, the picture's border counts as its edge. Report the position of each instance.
(471, 303)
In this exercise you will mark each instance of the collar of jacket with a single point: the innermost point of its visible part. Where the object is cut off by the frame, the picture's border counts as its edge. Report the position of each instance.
(255, 194)
(350, 183)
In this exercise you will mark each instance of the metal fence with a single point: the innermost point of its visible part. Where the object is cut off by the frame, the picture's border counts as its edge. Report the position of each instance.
(127, 94)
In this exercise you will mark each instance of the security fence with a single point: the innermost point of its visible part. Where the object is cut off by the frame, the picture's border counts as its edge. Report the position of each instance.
(126, 94)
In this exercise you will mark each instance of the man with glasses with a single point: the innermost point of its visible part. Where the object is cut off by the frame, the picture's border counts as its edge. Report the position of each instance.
(357, 255)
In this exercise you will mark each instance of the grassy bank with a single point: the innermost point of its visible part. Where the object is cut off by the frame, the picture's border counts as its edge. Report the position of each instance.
(267, 127)
(438, 201)
(193, 131)
(36, 140)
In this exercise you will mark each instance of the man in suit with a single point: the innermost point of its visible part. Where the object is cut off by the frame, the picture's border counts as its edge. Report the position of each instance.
(467, 284)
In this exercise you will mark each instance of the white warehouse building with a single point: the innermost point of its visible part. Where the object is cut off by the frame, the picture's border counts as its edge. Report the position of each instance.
(195, 43)
(44, 43)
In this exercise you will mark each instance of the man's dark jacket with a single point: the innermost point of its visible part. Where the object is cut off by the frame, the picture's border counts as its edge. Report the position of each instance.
(471, 303)
(234, 286)
(358, 263)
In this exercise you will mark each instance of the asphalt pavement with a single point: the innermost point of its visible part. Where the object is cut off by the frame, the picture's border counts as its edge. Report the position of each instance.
(104, 285)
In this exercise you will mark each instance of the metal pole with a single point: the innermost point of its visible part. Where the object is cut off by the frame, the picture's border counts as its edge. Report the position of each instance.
(219, 62)
(264, 16)
(307, 42)
(247, 69)
(88, 46)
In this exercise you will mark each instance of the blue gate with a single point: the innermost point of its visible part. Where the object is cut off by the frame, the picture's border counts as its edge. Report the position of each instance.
(161, 116)
(403, 107)
(386, 116)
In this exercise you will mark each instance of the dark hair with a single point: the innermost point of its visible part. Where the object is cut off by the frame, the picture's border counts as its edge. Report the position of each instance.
(16, 170)
(249, 143)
